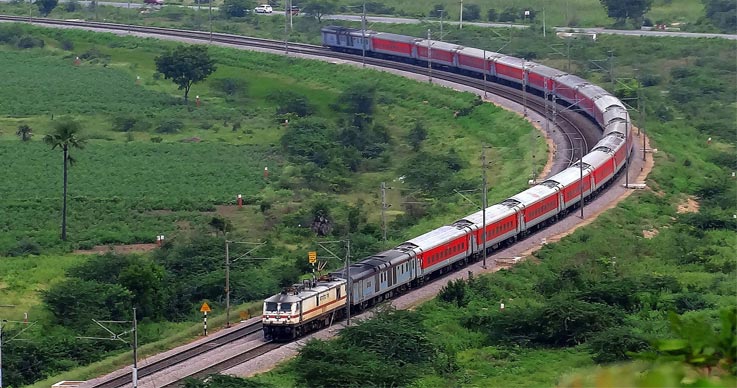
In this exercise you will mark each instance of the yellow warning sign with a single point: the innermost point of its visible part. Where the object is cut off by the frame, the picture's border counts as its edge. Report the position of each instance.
(312, 255)
(205, 308)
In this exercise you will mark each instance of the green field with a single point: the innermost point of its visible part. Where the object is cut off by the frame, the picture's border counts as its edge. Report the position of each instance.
(131, 185)
(154, 165)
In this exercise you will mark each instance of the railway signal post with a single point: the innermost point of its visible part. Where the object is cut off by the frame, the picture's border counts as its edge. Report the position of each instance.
(204, 310)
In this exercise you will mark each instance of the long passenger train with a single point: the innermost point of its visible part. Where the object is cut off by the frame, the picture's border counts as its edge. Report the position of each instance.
(314, 304)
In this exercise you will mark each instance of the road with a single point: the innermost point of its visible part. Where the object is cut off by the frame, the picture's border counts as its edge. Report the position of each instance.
(396, 20)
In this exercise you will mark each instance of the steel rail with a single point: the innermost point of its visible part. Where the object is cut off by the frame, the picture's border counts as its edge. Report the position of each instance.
(180, 357)
(571, 124)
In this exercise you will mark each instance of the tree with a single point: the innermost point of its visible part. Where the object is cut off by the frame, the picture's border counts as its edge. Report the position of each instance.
(237, 8)
(627, 9)
(722, 13)
(417, 135)
(24, 132)
(471, 12)
(46, 6)
(75, 302)
(65, 136)
(319, 8)
(186, 65)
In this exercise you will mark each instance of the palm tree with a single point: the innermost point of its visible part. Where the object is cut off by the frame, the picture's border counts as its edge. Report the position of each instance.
(65, 136)
(25, 132)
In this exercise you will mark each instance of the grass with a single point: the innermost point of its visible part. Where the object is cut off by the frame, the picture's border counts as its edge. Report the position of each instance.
(126, 189)
(22, 280)
(171, 334)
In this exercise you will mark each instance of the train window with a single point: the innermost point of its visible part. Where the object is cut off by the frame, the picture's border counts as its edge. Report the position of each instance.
(270, 306)
(283, 307)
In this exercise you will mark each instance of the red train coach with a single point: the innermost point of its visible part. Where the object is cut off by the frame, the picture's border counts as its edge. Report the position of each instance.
(441, 53)
(394, 44)
(542, 77)
(440, 248)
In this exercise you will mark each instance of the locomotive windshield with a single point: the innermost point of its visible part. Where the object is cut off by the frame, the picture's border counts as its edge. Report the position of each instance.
(270, 306)
(285, 307)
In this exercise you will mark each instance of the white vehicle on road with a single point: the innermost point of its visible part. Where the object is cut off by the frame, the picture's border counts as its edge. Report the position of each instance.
(264, 8)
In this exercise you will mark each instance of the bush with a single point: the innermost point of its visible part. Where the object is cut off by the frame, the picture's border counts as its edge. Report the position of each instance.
(129, 123)
(66, 45)
(25, 248)
(170, 126)
(231, 86)
(28, 41)
(72, 6)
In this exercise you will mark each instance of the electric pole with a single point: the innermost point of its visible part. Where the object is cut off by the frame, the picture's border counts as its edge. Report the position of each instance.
(228, 262)
(119, 337)
(483, 204)
(429, 57)
(384, 206)
(460, 19)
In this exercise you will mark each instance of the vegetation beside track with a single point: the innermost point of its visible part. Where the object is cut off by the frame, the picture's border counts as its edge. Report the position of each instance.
(691, 252)
(153, 165)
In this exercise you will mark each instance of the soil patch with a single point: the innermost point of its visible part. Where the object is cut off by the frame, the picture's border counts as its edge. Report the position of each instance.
(688, 206)
(119, 249)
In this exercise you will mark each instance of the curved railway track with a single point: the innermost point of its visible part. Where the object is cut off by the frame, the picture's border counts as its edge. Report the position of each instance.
(177, 358)
(572, 126)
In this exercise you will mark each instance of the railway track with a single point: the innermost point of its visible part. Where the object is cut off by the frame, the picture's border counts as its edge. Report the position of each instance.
(572, 126)
(183, 356)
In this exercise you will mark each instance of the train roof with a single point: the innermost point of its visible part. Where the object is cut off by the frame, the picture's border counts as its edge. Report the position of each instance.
(511, 61)
(371, 264)
(438, 45)
(547, 71)
(607, 101)
(571, 81)
(493, 213)
(534, 194)
(610, 143)
(300, 292)
(478, 53)
(596, 158)
(569, 175)
(593, 92)
(395, 37)
(436, 237)
(338, 29)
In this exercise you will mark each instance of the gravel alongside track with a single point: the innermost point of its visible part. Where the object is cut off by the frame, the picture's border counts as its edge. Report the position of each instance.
(557, 161)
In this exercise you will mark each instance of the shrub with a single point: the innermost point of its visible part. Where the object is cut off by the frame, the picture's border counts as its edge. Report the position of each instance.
(170, 126)
(24, 248)
(28, 41)
(129, 123)
(231, 86)
(66, 45)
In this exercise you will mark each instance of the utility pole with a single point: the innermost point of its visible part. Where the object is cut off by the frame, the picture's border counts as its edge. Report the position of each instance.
(524, 87)
(384, 206)
(227, 282)
(580, 168)
(485, 67)
(460, 19)
(228, 262)
(429, 57)
(210, 13)
(363, 36)
(483, 204)
(543, 21)
(119, 337)
(441, 23)
(27, 326)
(287, 9)
(349, 283)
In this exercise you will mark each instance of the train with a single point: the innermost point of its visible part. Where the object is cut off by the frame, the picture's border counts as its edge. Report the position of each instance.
(316, 303)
